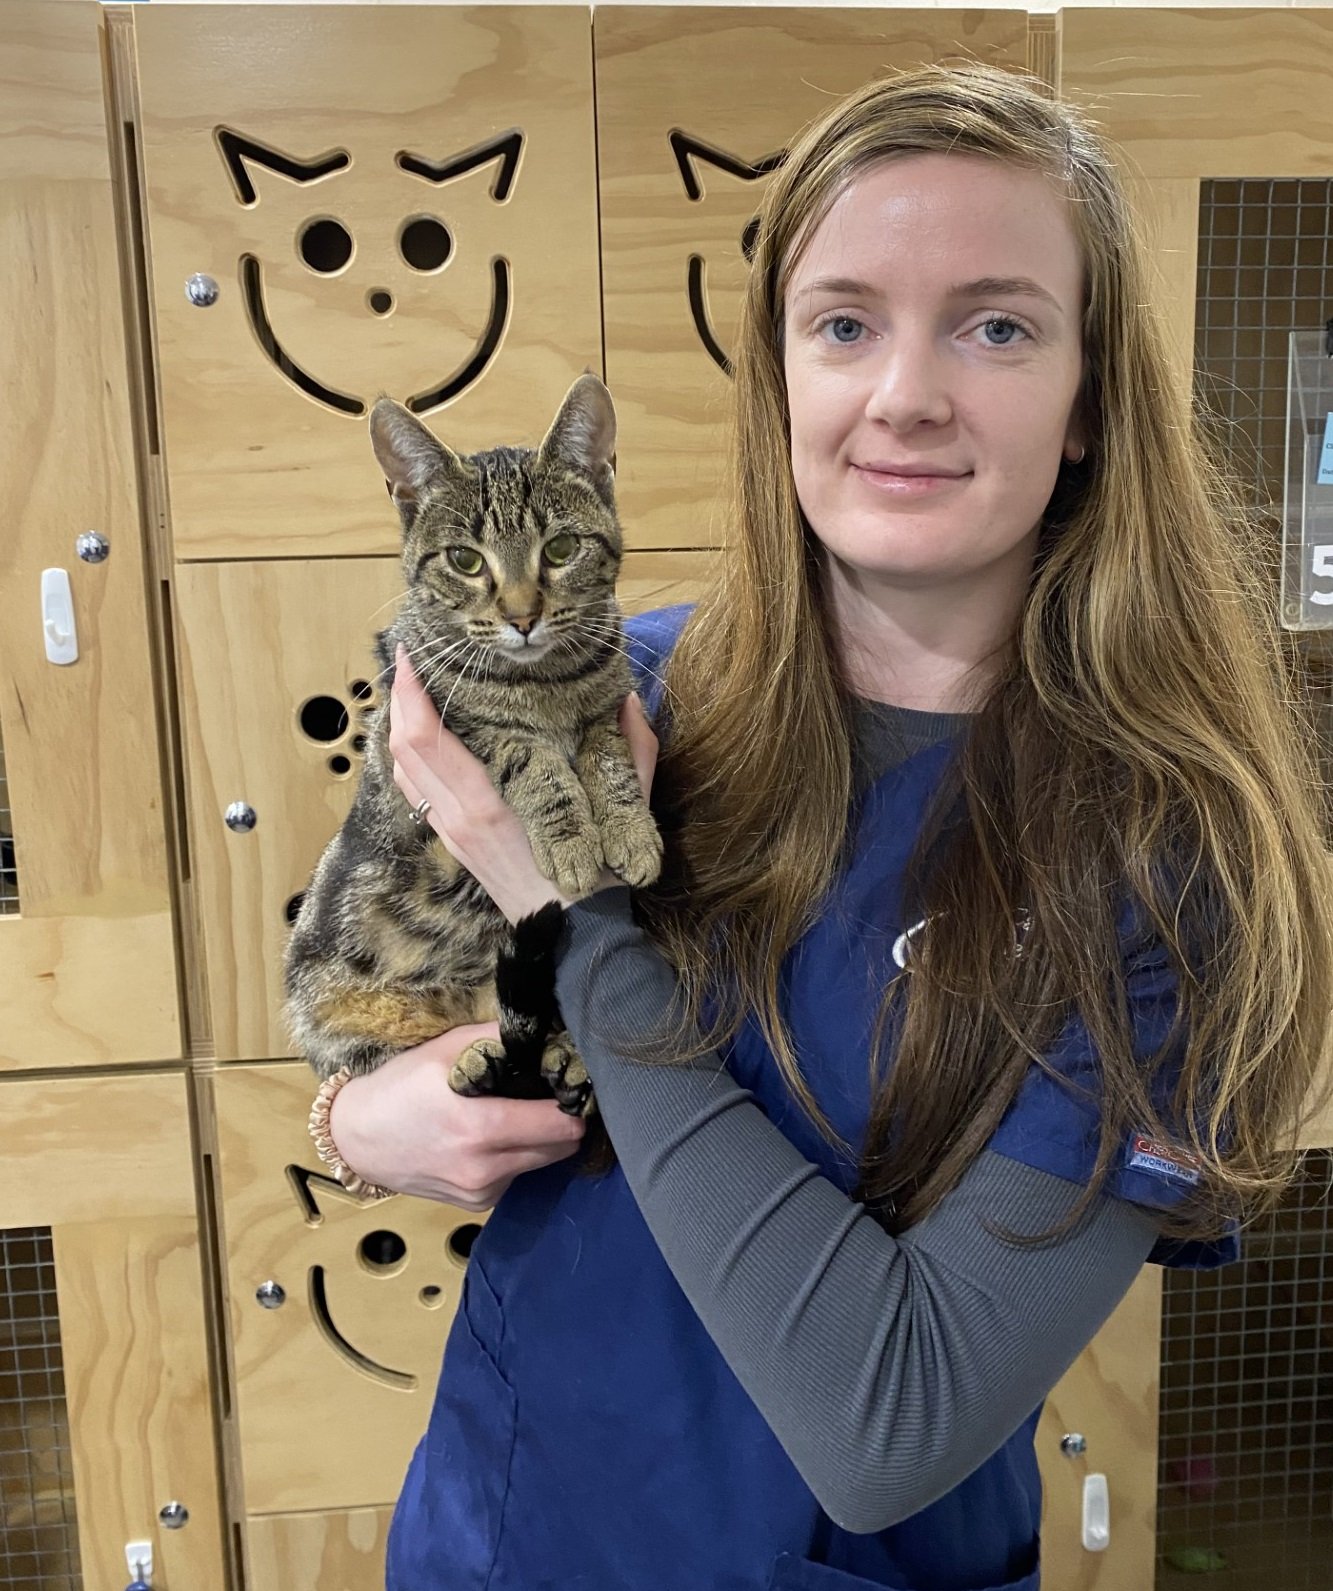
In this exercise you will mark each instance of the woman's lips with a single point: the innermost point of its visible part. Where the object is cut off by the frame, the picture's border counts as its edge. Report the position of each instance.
(905, 485)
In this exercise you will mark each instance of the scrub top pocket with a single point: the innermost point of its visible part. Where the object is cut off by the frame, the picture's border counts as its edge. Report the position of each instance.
(470, 1442)
(791, 1573)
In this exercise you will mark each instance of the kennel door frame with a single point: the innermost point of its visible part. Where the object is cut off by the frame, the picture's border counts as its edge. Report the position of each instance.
(88, 966)
(107, 1163)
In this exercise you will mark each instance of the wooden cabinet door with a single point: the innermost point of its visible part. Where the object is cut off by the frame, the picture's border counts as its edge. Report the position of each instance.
(276, 657)
(1109, 1398)
(338, 1309)
(87, 948)
(394, 199)
(106, 1413)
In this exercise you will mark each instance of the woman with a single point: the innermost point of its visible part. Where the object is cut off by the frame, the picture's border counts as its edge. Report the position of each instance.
(994, 911)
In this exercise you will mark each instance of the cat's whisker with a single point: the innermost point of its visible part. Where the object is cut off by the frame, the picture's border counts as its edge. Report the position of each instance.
(434, 678)
(445, 709)
(440, 658)
(432, 662)
(454, 521)
(614, 638)
(381, 678)
(396, 597)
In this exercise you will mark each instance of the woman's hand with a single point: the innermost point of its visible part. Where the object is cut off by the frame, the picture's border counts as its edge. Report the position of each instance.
(466, 810)
(404, 1127)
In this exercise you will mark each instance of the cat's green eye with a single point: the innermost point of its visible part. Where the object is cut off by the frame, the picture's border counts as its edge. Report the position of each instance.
(560, 549)
(467, 560)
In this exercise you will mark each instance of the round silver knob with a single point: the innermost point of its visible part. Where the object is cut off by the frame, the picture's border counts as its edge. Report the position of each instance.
(201, 290)
(93, 547)
(240, 817)
(1073, 1444)
(175, 1516)
(271, 1295)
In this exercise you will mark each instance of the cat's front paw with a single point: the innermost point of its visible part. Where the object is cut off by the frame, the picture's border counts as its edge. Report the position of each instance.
(567, 1077)
(573, 863)
(633, 846)
(480, 1069)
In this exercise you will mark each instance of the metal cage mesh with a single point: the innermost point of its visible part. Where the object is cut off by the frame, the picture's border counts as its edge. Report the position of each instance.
(38, 1542)
(1265, 270)
(1245, 1473)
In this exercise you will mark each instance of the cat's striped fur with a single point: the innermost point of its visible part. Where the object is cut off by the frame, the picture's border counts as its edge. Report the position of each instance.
(510, 558)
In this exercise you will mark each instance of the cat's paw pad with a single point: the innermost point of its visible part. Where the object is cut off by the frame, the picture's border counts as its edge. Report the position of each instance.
(480, 1069)
(573, 863)
(567, 1077)
(633, 847)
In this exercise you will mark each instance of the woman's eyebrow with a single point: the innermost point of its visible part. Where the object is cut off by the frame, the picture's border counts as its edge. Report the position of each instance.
(1005, 286)
(848, 285)
(982, 287)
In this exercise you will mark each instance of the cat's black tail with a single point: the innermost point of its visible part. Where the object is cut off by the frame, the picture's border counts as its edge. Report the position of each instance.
(525, 989)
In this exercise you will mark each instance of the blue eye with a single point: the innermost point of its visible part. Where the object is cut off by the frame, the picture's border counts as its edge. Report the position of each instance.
(1007, 324)
(842, 323)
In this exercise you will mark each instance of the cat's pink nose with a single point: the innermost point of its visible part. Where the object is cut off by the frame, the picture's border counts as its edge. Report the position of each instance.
(524, 625)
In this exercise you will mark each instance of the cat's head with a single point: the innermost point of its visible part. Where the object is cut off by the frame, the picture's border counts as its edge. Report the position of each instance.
(513, 549)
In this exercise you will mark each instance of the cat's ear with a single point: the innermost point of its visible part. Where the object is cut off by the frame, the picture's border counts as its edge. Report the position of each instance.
(583, 434)
(411, 456)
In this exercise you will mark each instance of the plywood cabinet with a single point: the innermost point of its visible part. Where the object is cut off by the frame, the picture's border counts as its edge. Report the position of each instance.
(224, 230)
(106, 1387)
(88, 965)
(384, 199)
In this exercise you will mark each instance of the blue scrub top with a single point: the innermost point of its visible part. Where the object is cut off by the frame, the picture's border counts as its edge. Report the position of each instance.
(586, 1433)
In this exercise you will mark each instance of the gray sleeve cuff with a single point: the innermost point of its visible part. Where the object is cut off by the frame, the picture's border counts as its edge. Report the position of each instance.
(615, 990)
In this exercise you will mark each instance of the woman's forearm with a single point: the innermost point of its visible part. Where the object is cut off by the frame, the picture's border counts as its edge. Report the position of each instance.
(888, 1369)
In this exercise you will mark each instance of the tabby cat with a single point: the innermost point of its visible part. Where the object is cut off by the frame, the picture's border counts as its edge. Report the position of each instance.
(510, 559)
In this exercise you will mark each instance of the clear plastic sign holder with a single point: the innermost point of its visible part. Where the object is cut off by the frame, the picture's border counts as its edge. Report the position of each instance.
(1307, 507)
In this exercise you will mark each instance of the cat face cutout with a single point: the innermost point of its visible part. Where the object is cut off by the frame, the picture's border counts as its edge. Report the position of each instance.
(329, 246)
(374, 1282)
(726, 184)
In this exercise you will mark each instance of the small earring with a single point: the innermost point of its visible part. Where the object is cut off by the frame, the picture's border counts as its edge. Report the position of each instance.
(1082, 454)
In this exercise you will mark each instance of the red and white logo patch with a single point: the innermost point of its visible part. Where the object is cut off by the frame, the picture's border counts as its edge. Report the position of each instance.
(1151, 1154)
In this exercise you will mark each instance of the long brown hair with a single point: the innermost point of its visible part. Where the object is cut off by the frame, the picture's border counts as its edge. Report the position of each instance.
(1144, 740)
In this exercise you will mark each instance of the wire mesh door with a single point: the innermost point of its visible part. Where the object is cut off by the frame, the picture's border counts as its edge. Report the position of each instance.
(38, 1541)
(1246, 1471)
(1265, 270)
(1246, 1435)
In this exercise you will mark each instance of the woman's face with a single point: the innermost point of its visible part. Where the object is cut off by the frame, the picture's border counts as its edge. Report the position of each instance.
(933, 325)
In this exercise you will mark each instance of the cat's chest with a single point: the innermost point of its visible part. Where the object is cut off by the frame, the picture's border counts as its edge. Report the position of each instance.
(555, 716)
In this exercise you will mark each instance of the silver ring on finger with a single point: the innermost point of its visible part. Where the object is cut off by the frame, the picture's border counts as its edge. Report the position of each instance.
(419, 811)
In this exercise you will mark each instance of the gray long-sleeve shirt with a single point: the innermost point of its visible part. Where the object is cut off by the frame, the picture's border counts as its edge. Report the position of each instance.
(888, 1368)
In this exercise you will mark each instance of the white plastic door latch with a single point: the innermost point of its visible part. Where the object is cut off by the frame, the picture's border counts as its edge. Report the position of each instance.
(139, 1561)
(1096, 1514)
(58, 630)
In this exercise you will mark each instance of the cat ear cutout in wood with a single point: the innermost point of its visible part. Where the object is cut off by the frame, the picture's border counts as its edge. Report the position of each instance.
(424, 246)
(693, 157)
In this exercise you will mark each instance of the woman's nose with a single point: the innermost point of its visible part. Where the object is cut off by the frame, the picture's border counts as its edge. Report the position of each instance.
(911, 384)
